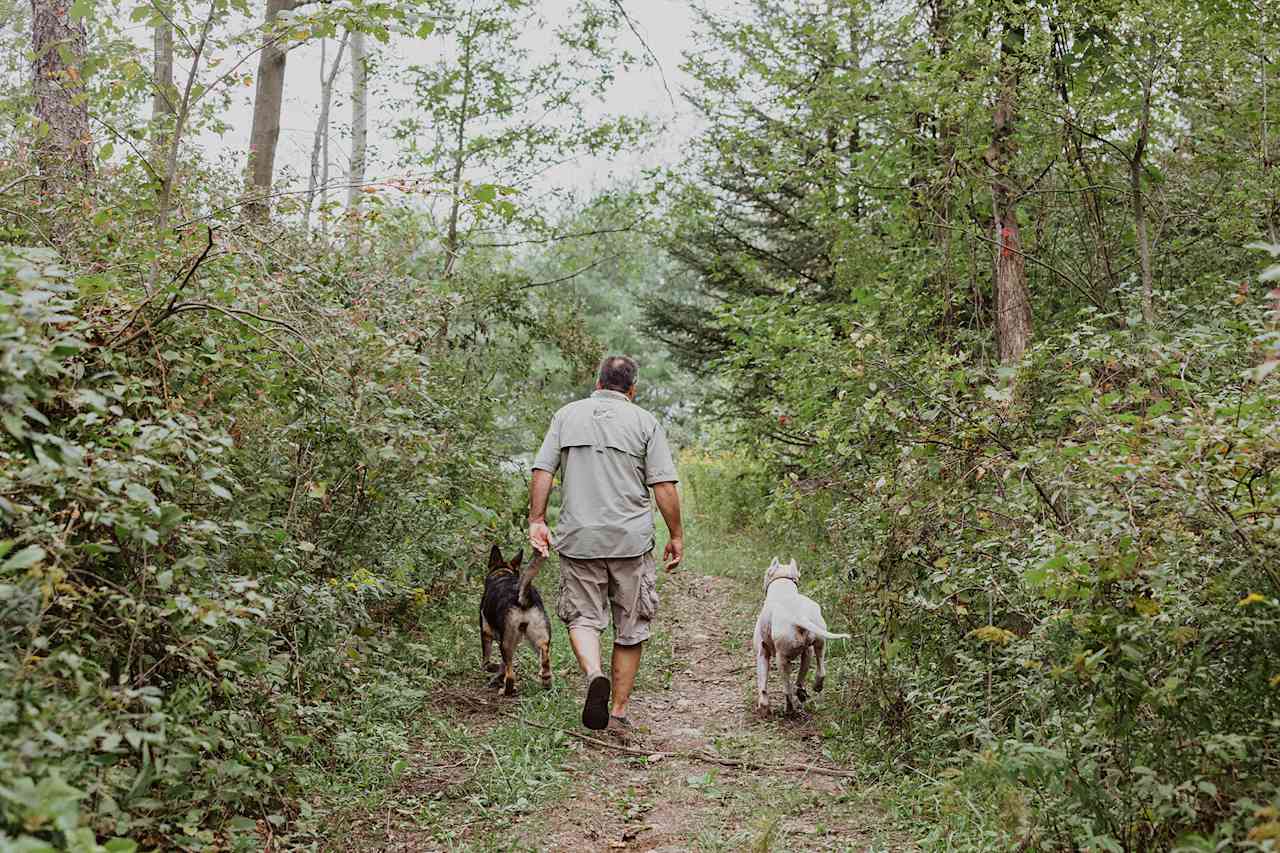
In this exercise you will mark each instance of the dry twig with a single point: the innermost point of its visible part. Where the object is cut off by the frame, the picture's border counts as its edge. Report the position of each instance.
(743, 764)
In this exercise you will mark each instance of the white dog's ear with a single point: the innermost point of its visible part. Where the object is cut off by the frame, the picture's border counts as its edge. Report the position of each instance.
(794, 566)
(774, 564)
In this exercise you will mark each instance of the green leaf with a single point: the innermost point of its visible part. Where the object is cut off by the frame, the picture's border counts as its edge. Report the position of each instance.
(140, 493)
(24, 559)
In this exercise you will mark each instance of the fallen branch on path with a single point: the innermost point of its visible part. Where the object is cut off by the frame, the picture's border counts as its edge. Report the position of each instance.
(707, 757)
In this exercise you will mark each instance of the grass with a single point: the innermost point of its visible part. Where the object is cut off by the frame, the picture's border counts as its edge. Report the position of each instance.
(418, 752)
(449, 764)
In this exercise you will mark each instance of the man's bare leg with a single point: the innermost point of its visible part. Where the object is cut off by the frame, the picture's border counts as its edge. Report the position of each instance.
(625, 664)
(586, 647)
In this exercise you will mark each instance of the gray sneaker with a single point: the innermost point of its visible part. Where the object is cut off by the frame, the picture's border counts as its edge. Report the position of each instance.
(622, 730)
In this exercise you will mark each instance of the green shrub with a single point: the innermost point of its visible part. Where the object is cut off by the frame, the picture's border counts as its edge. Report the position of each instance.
(1064, 577)
(206, 561)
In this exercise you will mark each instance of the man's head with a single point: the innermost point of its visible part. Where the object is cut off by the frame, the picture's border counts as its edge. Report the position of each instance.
(618, 373)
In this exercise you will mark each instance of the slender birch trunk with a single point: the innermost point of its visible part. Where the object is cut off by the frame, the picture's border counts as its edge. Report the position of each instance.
(451, 247)
(359, 123)
(1139, 207)
(163, 94)
(320, 144)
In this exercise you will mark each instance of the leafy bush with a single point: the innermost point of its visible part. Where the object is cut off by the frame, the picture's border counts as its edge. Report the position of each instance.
(1069, 570)
(201, 556)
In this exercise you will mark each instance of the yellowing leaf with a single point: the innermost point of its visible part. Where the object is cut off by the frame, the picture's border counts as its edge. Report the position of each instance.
(1251, 598)
(1269, 831)
(992, 635)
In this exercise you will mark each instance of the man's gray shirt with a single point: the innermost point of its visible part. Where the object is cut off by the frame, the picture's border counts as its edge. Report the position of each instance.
(609, 451)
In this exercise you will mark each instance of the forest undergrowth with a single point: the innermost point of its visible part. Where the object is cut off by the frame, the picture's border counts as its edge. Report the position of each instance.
(971, 305)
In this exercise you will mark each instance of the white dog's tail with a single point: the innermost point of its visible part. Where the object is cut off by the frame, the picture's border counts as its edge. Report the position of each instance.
(821, 632)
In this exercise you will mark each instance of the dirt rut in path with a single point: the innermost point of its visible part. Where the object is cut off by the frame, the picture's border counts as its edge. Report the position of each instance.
(667, 803)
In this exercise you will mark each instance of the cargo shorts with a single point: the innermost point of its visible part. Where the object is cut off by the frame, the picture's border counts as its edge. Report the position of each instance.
(591, 588)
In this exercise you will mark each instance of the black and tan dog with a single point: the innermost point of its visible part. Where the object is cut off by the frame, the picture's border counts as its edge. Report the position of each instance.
(512, 610)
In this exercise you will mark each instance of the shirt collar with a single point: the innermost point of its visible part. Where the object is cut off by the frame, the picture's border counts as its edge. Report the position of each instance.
(606, 394)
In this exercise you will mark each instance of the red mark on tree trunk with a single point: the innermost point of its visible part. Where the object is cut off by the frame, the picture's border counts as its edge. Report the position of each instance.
(1006, 241)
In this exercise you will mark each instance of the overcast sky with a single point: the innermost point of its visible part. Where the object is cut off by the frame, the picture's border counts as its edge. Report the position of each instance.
(667, 26)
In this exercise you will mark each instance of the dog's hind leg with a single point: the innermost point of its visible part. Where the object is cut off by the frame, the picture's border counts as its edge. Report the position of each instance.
(544, 663)
(486, 645)
(510, 642)
(820, 664)
(762, 681)
(539, 637)
(784, 664)
(805, 658)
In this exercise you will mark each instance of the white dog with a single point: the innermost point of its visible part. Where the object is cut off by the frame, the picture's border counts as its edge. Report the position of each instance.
(790, 626)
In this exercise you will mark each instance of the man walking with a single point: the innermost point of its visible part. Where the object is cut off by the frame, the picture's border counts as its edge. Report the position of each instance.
(609, 452)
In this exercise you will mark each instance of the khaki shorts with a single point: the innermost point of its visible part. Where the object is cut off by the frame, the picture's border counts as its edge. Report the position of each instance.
(590, 589)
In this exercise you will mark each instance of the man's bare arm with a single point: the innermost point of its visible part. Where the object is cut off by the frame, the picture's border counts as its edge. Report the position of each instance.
(539, 492)
(669, 505)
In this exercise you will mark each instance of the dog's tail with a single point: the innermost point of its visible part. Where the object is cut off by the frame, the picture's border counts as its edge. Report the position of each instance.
(527, 574)
(821, 632)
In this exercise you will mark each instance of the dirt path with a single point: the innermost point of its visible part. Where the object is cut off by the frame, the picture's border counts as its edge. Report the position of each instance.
(485, 778)
(628, 802)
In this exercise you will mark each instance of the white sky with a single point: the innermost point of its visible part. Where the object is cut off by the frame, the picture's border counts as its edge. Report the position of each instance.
(666, 25)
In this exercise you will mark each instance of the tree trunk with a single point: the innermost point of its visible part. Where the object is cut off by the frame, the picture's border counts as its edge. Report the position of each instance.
(320, 144)
(324, 188)
(267, 102)
(1139, 209)
(1013, 305)
(1264, 148)
(946, 131)
(359, 123)
(63, 154)
(459, 157)
(163, 93)
(168, 175)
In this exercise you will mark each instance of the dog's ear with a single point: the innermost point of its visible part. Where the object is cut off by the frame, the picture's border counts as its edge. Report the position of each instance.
(793, 566)
(517, 559)
(774, 564)
(495, 557)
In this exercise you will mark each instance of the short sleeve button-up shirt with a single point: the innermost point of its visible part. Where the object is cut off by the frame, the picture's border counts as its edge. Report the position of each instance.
(609, 451)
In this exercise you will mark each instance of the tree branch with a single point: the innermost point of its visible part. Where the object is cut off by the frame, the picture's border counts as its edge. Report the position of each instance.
(571, 275)
(636, 32)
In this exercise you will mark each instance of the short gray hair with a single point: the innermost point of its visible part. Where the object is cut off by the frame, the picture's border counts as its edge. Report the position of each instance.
(618, 373)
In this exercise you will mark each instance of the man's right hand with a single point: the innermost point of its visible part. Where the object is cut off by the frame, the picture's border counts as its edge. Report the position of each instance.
(673, 554)
(540, 537)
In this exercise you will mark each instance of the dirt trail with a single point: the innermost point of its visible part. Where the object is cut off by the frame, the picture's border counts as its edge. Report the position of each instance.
(652, 801)
(628, 802)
